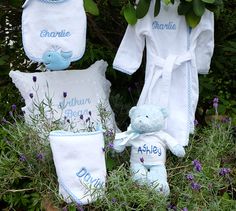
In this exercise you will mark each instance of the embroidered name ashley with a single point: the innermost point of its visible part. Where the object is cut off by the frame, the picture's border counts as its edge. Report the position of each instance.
(163, 26)
(62, 33)
(149, 150)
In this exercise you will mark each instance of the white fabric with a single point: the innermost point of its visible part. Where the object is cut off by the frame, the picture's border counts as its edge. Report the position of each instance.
(53, 25)
(80, 165)
(85, 89)
(175, 56)
(147, 148)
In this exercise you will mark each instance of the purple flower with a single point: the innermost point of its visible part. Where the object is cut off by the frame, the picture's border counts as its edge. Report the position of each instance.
(22, 158)
(215, 102)
(129, 89)
(103, 149)
(13, 107)
(110, 145)
(31, 95)
(64, 94)
(40, 156)
(185, 209)
(190, 177)
(141, 159)
(11, 113)
(4, 121)
(226, 120)
(79, 207)
(81, 117)
(113, 200)
(224, 171)
(197, 165)
(64, 209)
(34, 78)
(172, 207)
(195, 186)
(195, 122)
(109, 133)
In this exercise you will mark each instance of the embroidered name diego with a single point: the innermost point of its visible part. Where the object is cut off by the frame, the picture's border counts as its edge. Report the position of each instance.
(163, 26)
(149, 150)
(62, 33)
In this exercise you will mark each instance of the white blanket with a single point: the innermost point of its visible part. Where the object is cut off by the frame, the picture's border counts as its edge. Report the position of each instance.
(80, 165)
(53, 25)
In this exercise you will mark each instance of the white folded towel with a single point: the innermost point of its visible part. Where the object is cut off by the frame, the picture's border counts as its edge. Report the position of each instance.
(80, 165)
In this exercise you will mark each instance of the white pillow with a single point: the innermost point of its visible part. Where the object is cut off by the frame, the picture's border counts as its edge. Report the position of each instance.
(73, 93)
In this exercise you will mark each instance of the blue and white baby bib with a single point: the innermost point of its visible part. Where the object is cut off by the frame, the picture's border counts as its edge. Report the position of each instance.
(54, 25)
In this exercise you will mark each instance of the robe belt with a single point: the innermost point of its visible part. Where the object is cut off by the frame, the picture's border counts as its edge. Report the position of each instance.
(165, 73)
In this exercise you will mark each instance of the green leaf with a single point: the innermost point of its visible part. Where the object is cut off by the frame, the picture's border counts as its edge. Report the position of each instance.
(166, 2)
(91, 7)
(142, 8)
(191, 19)
(198, 7)
(184, 7)
(130, 14)
(110, 163)
(157, 7)
(209, 1)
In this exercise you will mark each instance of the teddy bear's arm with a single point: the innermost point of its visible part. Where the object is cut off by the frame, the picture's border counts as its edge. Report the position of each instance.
(172, 144)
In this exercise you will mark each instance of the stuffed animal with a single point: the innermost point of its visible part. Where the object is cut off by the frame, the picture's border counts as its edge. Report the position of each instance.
(148, 144)
(54, 60)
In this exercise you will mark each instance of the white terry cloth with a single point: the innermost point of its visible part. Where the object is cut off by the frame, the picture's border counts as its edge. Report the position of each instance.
(53, 25)
(80, 165)
(175, 56)
(147, 148)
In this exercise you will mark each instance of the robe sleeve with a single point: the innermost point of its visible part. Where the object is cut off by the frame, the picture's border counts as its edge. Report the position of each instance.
(202, 43)
(129, 55)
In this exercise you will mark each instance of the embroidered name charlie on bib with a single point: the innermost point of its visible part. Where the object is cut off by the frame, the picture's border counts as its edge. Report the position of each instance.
(54, 25)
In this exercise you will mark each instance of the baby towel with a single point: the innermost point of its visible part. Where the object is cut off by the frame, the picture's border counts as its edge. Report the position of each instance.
(54, 25)
(80, 165)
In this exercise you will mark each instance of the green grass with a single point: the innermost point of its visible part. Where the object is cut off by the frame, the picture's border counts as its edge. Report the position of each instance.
(28, 177)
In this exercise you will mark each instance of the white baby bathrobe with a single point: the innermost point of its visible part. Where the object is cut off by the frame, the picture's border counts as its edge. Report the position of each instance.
(175, 56)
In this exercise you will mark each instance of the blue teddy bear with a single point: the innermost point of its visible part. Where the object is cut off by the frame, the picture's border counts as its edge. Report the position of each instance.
(148, 144)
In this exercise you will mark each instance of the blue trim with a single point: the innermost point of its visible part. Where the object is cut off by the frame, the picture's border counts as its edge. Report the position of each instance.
(189, 30)
(73, 197)
(53, 1)
(67, 133)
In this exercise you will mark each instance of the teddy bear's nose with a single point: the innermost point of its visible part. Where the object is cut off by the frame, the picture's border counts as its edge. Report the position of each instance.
(146, 116)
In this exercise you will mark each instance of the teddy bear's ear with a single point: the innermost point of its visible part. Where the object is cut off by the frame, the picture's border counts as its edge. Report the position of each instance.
(132, 110)
(164, 112)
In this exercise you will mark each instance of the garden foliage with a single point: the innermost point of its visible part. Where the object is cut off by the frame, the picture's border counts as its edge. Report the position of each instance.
(204, 179)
